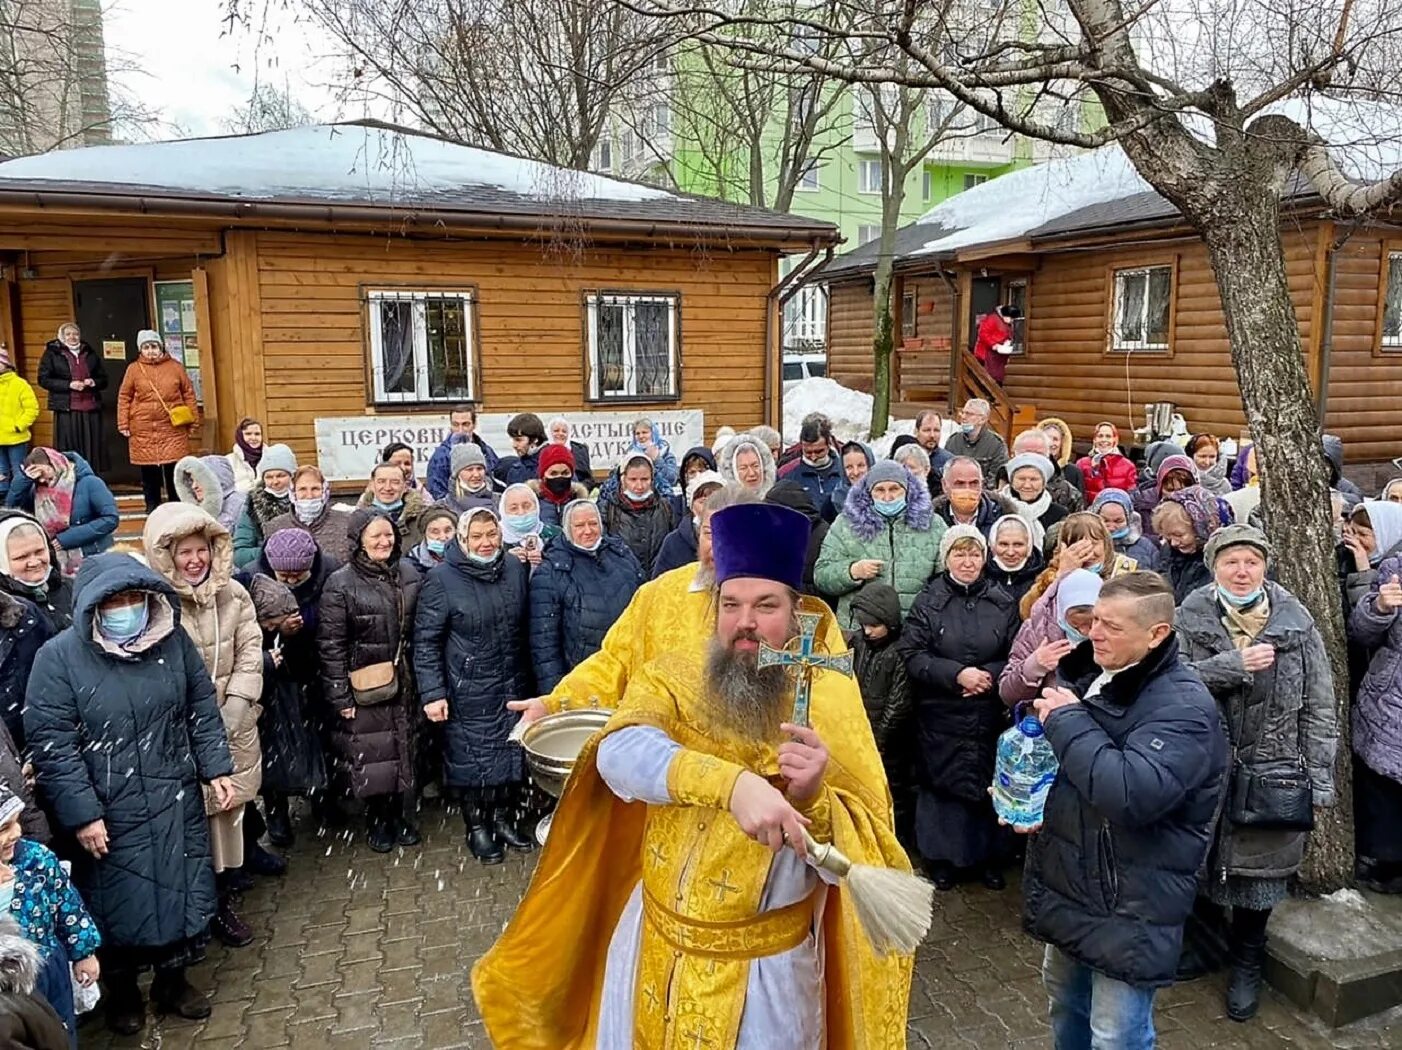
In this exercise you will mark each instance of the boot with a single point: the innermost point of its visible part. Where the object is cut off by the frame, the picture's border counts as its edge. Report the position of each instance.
(173, 994)
(508, 823)
(229, 927)
(480, 841)
(236, 880)
(379, 826)
(259, 861)
(125, 1008)
(993, 878)
(406, 831)
(1248, 957)
(941, 874)
(279, 820)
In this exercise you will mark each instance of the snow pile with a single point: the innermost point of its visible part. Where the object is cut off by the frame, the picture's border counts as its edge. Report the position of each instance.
(849, 410)
(325, 161)
(1013, 204)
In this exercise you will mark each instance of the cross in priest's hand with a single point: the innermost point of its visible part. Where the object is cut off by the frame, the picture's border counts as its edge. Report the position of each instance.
(802, 656)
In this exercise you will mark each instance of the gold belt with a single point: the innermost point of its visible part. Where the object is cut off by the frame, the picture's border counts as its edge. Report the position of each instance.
(767, 933)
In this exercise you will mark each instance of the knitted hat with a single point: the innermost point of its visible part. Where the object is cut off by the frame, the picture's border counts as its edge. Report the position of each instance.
(553, 455)
(1234, 536)
(290, 550)
(271, 600)
(11, 805)
(277, 457)
(465, 455)
(706, 477)
(887, 470)
(145, 336)
(1031, 459)
(957, 533)
(876, 603)
(431, 515)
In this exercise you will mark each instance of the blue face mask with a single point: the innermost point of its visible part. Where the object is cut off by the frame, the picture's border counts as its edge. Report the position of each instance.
(438, 547)
(390, 508)
(967, 429)
(308, 510)
(478, 559)
(1120, 534)
(889, 508)
(1097, 568)
(123, 624)
(633, 497)
(1239, 601)
(522, 523)
(1074, 636)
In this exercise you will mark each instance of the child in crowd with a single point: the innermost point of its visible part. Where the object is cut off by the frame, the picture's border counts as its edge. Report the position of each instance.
(880, 672)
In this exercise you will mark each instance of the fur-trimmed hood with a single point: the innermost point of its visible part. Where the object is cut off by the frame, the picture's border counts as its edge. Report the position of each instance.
(215, 476)
(861, 513)
(170, 523)
(725, 462)
(20, 960)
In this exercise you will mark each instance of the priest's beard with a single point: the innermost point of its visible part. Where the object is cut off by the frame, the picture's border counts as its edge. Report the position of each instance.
(748, 699)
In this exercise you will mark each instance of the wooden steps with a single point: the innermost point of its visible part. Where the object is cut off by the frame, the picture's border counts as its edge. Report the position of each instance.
(133, 519)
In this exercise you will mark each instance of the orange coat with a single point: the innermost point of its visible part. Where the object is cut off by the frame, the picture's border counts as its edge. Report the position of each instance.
(140, 412)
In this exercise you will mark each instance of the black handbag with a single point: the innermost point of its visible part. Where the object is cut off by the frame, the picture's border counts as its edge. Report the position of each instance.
(1274, 796)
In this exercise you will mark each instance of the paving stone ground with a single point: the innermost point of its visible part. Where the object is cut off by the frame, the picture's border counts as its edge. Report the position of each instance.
(356, 950)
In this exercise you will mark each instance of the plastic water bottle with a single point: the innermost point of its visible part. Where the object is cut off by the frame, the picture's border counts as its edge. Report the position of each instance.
(1024, 773)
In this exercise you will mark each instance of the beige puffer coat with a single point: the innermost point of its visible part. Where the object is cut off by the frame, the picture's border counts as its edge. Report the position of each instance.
(218, 615)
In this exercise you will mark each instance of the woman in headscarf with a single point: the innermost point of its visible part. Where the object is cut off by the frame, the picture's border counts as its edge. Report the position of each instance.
(72, 503)
(470, 657)
(1373, 532)
(73, 374)
(745, 461)
(680, 546)
(192, 552)
(523, 533)
(648, 441)
(367, 621)
(1107, 467)
(955, 643)
(156, 412)
(29, 569)
(560, 432)
(857, 459)
(1206, 453)
(635, 508)
(1258, 651)
(440, 526)
(1055, 627)
(248, 450)
(1014, 559)
(1028, 475)
(207, 482)
(1173, 474)
(1185, 520)
(1116, 510)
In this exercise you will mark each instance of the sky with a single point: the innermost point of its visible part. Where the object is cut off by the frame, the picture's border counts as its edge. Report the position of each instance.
(196, 72)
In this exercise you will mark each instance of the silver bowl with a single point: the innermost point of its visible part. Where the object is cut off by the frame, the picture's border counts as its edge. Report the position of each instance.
(554, 742)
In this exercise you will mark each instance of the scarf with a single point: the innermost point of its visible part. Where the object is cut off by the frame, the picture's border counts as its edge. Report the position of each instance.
(53, 506)
(1032, 514)
(1244, 626)
(1202, 509)
(251, 456)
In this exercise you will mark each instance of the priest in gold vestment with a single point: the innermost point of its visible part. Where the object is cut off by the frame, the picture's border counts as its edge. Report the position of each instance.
(672, 906)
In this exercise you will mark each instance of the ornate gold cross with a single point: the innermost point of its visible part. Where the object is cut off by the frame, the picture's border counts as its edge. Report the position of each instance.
(802, 656)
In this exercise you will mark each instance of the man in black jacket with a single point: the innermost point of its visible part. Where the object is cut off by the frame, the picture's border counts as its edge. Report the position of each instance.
(1112, 873)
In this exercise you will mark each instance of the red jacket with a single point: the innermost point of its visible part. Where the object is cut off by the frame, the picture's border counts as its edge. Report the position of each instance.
(992, 330)
(1113, 472)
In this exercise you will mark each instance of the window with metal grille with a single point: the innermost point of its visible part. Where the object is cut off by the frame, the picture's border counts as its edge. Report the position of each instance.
(633, 346)
(421, 345)
(1017, 296)
(1141, 309)
(908, 314)
(1392, 304)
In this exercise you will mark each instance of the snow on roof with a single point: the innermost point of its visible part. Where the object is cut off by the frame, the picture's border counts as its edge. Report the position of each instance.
(1011, 205)
(363, 161)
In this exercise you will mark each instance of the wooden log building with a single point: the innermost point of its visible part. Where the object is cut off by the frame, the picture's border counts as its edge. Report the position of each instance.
(1122, 310)
(342, 271)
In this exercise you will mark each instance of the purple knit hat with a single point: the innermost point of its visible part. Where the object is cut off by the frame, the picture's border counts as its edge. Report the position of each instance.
(290, 550)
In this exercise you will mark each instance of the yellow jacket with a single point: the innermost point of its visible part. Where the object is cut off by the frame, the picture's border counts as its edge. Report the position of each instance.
(19, 408)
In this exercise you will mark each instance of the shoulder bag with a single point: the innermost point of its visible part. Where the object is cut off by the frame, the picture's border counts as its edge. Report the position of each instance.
(180, 415)
(1274, 796)
(376, 683)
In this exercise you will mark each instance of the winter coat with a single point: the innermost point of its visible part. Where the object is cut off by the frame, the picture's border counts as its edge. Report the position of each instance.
(329, 530)
(126, 736)
(93, 518)
(642, 526)
(144, 402)
(1187, 572)
(787, 493)
(244, 473)
(406, 519)
(1112, 875)
(991, 507)
(1019, 581)
(1334, 460)
(992, 332)
(879, 668)
(367, 617)
(19, 408)
(678, 549)
(1065, 488)
(1021, 680)
(47, 907)
(470, 648)
(252, 531)
(1377, 711)
(222, 499)
(27, 1021)
(1285, 712)
(56, 372)
(576, 595)
(908, 547)
(32, 821)
(951, 627)
(54, 598)
(1110, 471)
(219, 618)
(516, 470)
(460, 505)
(819, 482)
(439, 478)
(725, 461)
(22, 632)
(1145, 552)
(550, 511)
(833, 507)
(988, 449)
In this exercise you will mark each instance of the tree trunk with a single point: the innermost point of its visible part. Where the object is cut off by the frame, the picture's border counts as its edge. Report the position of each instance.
(881, 347)
(1243, 240)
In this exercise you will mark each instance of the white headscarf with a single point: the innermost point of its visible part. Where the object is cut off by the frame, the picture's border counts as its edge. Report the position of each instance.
(509, 536)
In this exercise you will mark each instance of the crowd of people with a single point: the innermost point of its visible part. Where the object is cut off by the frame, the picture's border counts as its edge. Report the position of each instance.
(267, 643)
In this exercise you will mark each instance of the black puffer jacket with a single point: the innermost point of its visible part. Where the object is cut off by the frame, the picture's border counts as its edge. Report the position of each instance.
(575, 597)
(953, 626)
(56, 372)
(643, 526)
(470, 649)
(1019, 581)
(1187, 572)
(22, 632)
(367, 616)
(127, 738)
(1112, 875)
(787, 493)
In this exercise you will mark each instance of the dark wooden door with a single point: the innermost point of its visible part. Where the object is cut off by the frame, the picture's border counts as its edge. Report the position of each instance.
(985, 295)
(110, 310)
